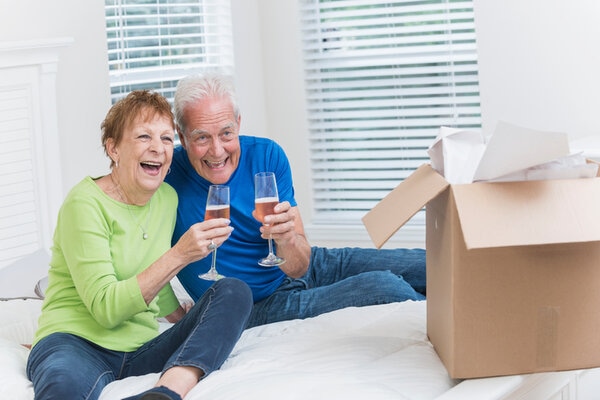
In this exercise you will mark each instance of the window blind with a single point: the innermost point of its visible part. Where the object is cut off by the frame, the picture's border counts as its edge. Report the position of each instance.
(154, 43)
(381, 78)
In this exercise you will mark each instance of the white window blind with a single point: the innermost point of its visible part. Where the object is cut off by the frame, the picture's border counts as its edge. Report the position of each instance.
(154, 43)
(382, 77)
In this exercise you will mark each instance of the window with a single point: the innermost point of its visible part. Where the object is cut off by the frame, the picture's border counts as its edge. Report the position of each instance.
(154, 43)
(382, 77)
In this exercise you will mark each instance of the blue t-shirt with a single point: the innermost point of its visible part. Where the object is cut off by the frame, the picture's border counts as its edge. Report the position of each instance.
(238, 256)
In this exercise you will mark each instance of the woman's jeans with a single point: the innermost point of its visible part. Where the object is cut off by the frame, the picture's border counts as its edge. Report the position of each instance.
(64, 366)
(345, 277)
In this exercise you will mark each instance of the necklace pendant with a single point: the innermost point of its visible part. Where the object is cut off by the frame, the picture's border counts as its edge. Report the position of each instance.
(145, 236)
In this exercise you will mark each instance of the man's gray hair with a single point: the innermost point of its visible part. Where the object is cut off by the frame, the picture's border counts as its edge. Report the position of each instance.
(196, 87)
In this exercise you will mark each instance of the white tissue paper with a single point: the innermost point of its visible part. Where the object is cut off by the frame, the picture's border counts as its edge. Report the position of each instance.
(455, 154)
(512, 153)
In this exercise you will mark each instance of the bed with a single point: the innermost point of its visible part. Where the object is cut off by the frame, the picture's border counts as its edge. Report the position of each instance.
(375, 352)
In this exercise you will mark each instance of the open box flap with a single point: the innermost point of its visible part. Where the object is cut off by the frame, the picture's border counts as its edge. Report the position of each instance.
(529, 213)
(398, 206)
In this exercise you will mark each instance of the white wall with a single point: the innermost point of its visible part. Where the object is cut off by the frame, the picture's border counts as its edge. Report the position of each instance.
(539, 66)
(270, 79)
(82, 77)
(250, 81)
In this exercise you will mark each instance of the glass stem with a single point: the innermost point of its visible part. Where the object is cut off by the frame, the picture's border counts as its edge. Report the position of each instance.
(271, 247)
(213, 266)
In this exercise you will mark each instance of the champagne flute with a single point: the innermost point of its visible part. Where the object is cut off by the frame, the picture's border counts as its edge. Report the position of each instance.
(217, 206)
(265, 200)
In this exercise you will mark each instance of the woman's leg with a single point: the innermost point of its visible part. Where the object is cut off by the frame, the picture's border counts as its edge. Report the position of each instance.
(202, 340)
(63, 366)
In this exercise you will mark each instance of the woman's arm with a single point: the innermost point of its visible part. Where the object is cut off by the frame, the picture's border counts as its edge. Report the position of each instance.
(192, 246)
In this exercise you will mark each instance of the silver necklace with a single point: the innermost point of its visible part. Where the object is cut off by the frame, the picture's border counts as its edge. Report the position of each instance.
(118, 189)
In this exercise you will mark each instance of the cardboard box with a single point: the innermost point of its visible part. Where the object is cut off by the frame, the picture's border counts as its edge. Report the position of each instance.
(513, 270)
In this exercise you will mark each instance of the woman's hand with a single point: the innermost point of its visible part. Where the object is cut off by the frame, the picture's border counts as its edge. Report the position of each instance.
(195, 243)
(180, 312)
(192, 246)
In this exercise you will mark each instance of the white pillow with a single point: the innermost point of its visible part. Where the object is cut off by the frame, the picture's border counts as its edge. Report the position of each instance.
(19, 320)
(179, 291)
(13, 379)
(19, 279)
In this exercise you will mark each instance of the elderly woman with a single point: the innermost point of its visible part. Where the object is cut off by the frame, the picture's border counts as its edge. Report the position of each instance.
(111, 265)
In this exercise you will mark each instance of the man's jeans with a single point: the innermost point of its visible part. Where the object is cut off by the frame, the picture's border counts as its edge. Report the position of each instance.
(63, 366)
(338, 278)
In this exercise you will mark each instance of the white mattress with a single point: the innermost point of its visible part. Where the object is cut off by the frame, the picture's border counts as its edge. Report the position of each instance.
(376, 352)
(369, 353)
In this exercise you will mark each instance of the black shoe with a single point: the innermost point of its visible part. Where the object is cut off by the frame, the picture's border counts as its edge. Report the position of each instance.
(156, 393)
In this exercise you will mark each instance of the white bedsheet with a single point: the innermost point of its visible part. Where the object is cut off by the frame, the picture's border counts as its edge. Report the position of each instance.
(369, 353)
(375, 352)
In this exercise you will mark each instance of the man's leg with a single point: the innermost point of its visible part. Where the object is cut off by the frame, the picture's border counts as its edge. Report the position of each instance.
(333, 265)
(294, 299)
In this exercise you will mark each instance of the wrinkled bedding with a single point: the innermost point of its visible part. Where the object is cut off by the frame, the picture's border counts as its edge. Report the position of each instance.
(375, 352)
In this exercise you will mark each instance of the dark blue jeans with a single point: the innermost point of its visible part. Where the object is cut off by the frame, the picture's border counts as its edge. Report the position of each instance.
(345, 277)
(64, 366)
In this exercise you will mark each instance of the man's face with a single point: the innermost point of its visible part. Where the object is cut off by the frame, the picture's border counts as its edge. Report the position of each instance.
(211, 139)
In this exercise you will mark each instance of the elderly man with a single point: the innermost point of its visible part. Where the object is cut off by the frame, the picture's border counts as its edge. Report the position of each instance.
(313, 280)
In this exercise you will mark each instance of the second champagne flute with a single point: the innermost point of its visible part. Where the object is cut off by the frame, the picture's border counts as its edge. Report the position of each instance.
(217, 206)
(265, 200)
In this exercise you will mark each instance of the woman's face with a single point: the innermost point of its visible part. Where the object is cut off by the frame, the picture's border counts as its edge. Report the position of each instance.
(143, 156)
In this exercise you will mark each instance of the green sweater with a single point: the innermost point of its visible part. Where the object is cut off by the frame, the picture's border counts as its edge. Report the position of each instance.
(97, 252)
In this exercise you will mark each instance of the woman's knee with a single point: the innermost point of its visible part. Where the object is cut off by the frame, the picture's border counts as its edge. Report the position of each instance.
(63, 363)
(235, 289)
